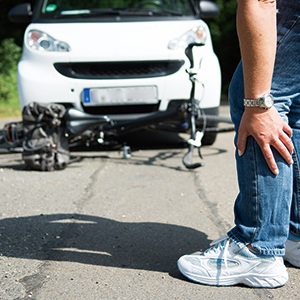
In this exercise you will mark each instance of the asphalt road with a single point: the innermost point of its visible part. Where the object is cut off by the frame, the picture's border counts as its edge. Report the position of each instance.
(113, 228)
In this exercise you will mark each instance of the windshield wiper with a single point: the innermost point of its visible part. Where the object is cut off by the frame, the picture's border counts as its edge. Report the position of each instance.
(87, 13)
(95, 12)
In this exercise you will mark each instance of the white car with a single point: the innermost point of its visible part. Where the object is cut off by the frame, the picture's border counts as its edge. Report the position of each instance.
(123, 59)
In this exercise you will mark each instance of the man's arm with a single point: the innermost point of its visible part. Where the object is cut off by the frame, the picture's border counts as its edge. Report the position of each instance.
(256, 25)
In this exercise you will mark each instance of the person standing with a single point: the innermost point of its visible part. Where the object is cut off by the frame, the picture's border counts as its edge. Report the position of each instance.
(264, 99)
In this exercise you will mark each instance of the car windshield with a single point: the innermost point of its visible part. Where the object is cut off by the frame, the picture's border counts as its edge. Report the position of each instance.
(70, 9)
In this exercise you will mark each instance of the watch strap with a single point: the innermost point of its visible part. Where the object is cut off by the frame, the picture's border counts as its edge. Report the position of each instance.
(253, 102)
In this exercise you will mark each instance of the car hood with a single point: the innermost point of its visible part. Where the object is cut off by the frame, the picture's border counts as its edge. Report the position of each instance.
(118, 41)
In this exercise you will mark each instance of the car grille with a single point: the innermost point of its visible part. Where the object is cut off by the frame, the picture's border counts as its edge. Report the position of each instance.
(118, 70)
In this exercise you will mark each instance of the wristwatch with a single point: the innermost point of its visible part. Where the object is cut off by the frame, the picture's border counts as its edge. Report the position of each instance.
(265, 101)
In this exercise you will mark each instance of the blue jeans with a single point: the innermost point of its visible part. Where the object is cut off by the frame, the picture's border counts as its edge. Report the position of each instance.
(267, 207)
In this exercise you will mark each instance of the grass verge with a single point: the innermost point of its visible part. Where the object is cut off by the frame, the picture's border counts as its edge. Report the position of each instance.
(9, 100)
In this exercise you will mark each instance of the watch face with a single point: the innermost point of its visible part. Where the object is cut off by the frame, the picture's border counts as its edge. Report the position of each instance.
(268, 100)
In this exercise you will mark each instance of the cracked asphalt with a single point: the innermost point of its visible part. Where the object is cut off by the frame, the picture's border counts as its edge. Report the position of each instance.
(113, 228)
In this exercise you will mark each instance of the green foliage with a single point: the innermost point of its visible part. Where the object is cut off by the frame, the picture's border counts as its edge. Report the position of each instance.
(9, 100)
(10, 53)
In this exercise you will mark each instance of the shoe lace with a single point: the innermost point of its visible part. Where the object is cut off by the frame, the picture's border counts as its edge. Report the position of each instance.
(221, 246)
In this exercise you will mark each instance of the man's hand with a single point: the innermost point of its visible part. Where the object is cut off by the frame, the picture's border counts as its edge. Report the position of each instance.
(268, 129)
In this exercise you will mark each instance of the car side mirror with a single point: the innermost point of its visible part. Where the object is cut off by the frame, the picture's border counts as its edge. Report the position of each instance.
(208, 9)
(20, 13)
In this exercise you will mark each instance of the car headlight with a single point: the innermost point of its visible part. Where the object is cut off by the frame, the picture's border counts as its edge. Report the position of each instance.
(195, 35)
(41, 41)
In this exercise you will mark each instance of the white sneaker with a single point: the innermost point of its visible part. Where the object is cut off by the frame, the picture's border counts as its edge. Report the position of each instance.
(228, 263)
(292, 252)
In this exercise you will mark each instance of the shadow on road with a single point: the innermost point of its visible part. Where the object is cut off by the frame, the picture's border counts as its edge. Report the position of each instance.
(99, 241)
(171, 146)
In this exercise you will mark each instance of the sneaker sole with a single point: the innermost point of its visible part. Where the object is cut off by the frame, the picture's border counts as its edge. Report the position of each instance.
(251, 280)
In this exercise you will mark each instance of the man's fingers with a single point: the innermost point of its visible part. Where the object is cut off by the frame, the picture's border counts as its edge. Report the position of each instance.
(283, 145)
(269, 157)
(282, 148)
(287, 142)
(269, 130)
(285, 149)
(288, 130)
(241, 142)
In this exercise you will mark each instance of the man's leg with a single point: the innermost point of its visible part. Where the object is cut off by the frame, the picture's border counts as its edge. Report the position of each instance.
(266, 203)
(262, 212)
(262, 208)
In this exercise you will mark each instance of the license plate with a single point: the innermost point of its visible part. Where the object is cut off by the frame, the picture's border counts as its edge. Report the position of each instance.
(120, 96)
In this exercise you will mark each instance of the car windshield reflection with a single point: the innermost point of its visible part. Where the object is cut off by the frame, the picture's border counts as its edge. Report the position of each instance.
(98, 8)
(129, 11)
